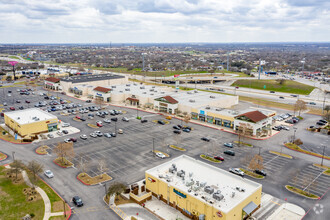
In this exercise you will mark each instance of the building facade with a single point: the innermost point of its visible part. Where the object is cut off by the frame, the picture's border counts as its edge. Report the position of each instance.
(31, 121)
(102, 93)
(202, 191)
(166, 104)
(52, 83)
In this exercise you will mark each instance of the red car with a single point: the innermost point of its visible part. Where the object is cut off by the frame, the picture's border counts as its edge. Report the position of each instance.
(12, 108)
(219, 158)
(99, 124)
(78, 117)
(73, 139)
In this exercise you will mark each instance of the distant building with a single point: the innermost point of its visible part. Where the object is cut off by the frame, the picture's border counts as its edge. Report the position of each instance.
(52, 83)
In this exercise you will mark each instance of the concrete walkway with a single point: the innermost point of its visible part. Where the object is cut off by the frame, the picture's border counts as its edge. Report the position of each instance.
(48, 206)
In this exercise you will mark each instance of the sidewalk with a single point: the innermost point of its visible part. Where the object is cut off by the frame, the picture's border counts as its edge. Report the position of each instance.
(48, 206)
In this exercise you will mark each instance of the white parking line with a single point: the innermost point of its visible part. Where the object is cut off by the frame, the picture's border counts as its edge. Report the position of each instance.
(313, 181)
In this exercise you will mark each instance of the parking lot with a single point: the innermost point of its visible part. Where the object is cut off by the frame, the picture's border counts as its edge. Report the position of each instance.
(311, 179)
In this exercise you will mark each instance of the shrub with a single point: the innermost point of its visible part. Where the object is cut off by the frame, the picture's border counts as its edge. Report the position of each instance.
(32, 215)
(298, 142)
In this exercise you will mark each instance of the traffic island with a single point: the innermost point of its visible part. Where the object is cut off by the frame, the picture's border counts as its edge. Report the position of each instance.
(91, 181)
(3, 156)
(92, 125)
(281, 154)
(301, 192)
(63, 162)
(326, 171)
(4, 135)
(252, 174)
(176, 147)
(76, 119)
(205, 157)
(297, 148)
(243, 143)
(42, 150)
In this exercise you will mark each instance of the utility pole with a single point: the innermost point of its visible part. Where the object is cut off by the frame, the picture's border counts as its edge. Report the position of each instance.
(13, 154)
(227, 61)
(116, 127)
(323, 155)
(294, 134)
(153, 147)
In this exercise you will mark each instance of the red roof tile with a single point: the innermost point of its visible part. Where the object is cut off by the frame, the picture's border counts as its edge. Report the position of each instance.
(52, 79)
(254, 116)
(132, 99)
(170, 99)
(102, 89)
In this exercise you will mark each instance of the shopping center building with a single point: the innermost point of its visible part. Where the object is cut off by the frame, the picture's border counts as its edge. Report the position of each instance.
(30, 121)
(52, 83)
(202, 191)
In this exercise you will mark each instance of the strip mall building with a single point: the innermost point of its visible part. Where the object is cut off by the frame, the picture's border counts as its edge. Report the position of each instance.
(202, 191)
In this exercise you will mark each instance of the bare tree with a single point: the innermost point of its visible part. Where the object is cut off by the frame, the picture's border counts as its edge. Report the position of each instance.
(35, 168)
(326, 115)
(177, 138)
(256, 163)
(186, 118)
(247, 159)
(281, 81)
(300, 106)
(16, 166)
(64, 150)
(83, 164)
(102, 167)
(244, 129)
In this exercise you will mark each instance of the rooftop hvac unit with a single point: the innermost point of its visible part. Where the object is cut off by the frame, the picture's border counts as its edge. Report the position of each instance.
(127, 89)
(196, 194)
(212, 97)
(232, 194)
(203, 184)
(239, 189)
(162, 92)
(218, 109)
(189, 190)
(191, 100)
(211, 202)
(218, 196)
(189, 92)
(197, 183)
(128, 84)
(172, 169)
(121, 91)
(173, 165)
(207, 107)
(195, 91)
(113, 86)
(151, 90)
(154, 87)
(190, 183)
(142, 87)
(160, 176)
(168, 180)
(151, 94)
(196, 188)
(190, 174)
(208, 189)
(144, 93)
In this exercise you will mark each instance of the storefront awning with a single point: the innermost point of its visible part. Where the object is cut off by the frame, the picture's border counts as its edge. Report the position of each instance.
(250, 208)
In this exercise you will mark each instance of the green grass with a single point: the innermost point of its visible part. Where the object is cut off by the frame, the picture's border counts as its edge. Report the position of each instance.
(53, 197)
(210, 158)
(301, 192)
(176, 147)
(13, 201)
(243, 143)
(271, 85)
(297, 148)
(252, 174)
(13, 57)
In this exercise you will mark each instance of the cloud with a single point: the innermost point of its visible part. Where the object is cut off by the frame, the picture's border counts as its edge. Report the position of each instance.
(163, 20)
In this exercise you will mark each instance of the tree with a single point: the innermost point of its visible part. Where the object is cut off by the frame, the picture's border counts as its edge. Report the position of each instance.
(247, 159)
(83, 164)
(116, 188)
(256, 163)
(99, 101)
(64, 150)
(16, 166)
(326, 115)
(35, 168)
(186, 118)
(244, 129)
(281, 81)
(102, 167)
(300, 106)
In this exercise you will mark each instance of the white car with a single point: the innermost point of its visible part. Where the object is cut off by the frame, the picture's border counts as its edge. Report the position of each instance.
(83, 136)
(236, 171)
(125, 119)
(107, 120)
(160, 155)
(60, 133)
(49, 174)
(93, 135)
(65, 125)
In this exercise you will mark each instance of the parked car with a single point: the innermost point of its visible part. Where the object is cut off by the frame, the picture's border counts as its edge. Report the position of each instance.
(228, 145)
(177, 132)
(229, 152)
(27, 101)
(161, 122)
(49, 174)
(320, 123)
(120, 131)
(205, 139)
(236, 171)
(312, 103)
(176, 127)
(83, 136)
(65, 125)
(78, 117)
(108, 135)
(50, 135)
(323, 121)
(73, 139)
(272, 91)
(144, 120)
(219, 158)
(113, 134)
(114, 119)
(12, 108)
(18, 101)
(281, 97)
(160, 155)
(261, 172)
(107, 120)
(93, 135)
(99, 123)
(98, 133)
(65, 131)
(285, 128)
(21, 107)
(125, 119)
(294, 95)
(186, 130)
(77, 201)
(89, 101)
(276, 128)
(60, 133)
(5, 104)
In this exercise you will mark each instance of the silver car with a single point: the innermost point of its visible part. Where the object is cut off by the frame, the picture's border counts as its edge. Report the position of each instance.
(49, 174)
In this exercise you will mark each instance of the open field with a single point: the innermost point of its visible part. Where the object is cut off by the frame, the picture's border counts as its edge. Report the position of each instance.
(272, 85)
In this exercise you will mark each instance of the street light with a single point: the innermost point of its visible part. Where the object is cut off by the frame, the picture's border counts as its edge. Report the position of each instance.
(322, 155)
(294, 134)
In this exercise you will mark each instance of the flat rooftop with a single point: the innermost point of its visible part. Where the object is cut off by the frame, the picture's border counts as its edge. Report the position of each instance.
(88, 78)
(201, 175)
(192, 98)
(236, 112)
(27, 116)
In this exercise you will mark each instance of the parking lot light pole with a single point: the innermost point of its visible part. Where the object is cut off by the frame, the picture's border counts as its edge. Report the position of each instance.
(153, 147)
(294, 134)
(322, 155)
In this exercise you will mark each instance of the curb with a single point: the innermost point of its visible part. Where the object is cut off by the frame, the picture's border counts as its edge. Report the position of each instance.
(14, 142)
(210, 160)
(299, 193)
(6, 156)
(60, 197)
(83, 182)
(61, 165)
(306, 153)
(39, 153)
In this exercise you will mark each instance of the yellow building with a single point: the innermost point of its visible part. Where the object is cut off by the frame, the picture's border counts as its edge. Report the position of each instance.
(30, 121)
(202, 191)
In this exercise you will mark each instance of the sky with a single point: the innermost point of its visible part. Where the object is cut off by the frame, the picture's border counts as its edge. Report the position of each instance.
(164, 21)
